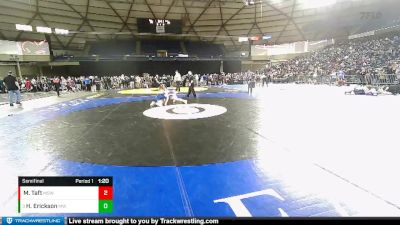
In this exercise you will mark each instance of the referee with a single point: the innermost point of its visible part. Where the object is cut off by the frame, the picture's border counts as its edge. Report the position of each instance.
(191, 84)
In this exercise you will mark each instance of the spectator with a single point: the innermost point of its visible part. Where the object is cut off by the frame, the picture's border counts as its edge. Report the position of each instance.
(13, 88)
(178, 80)
(2, 87)
(57, 85)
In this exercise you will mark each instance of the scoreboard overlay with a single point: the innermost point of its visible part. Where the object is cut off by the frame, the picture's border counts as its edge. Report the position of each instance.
(65, 194)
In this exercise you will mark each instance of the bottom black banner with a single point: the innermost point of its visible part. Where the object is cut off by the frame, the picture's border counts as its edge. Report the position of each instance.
(212, 221)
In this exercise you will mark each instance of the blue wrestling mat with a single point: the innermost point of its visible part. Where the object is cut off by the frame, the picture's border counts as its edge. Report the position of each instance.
(233, 173)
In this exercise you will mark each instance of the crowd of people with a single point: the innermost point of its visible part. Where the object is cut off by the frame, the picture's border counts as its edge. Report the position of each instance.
(365, 58)
(95, 83)
(368, 59)
(45, 84)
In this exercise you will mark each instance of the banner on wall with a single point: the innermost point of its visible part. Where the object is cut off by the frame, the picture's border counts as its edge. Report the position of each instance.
(33, 48)
(268, 50)
(10, 48)
(289, 48)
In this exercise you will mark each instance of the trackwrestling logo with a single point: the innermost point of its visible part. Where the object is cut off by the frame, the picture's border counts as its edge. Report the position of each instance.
(33, 220)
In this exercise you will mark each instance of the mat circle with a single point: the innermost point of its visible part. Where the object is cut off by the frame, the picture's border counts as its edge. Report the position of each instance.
(115, 132)
(185, 112)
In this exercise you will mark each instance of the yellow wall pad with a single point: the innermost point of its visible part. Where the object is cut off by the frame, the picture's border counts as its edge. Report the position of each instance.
(156, 91)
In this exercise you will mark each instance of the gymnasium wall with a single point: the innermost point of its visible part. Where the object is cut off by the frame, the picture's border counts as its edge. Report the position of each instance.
(5, 68)
(232, 66)
(26, 70)
(152, 67)
(30, 71)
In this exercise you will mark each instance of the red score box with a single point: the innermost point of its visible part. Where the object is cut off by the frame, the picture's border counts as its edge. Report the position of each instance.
(105, 192)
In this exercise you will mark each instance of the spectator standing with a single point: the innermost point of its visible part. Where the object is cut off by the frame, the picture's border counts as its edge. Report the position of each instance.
(196, 80)
(13, 88)
(131, 82)
(251, 84)
(78, 84)
(87, 83)
(178, 81)
(57, 85)
(264, 80)
(34, 85)
(2, 87)
(398, 73)
(28, 85)
(341, 77)
(97, 84)
(191, 79)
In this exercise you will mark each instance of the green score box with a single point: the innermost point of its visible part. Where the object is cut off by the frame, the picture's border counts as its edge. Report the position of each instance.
(105, 206)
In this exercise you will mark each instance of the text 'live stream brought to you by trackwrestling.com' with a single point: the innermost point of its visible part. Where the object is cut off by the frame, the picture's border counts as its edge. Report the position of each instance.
(139, 221)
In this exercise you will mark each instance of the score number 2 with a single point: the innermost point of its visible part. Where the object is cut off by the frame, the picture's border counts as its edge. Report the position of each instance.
(105, 193)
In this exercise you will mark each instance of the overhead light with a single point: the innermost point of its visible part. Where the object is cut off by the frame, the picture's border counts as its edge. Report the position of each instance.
(23, 27)
(61, 31)
(249, 2)
(310, 4)
(46, 30)
(243, 39)
(255, 38)
(266, 37)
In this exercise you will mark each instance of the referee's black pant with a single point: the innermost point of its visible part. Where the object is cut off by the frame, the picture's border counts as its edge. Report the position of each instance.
(178, 86)
(58, 89)
(191, 90)
(264, 81)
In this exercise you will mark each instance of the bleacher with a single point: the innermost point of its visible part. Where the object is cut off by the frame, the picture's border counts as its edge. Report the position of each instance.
(113, 48)
(150, 47)
(127, 50)
(204, 50)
